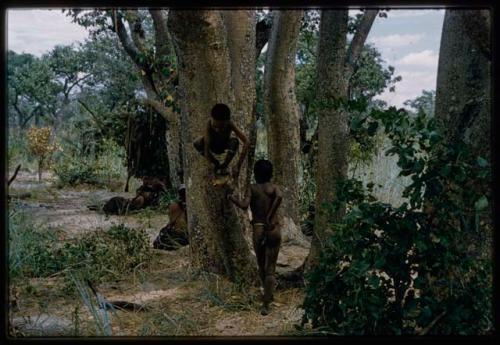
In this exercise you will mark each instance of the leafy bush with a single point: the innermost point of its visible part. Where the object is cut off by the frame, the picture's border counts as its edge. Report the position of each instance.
(72, 169)
(423, 267)
(40, 147)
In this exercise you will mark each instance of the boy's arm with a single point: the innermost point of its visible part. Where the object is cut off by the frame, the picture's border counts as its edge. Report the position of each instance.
(243, 204)
(276, 203)
(208, 154)
(246, 145)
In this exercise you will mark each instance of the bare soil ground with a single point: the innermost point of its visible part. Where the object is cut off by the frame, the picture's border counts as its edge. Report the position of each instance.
(180, 301)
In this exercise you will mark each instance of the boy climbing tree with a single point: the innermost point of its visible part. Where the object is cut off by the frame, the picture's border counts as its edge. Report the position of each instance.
(264, 198)
(217, 141)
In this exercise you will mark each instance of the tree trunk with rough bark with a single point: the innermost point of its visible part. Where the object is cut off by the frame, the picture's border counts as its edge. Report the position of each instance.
(463, 100)
(463, 93)
(241, 29)
(216, 234)
(283, 116)
(334, 69)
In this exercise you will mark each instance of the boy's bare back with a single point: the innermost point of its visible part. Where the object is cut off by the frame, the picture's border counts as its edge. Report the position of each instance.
(262, 197)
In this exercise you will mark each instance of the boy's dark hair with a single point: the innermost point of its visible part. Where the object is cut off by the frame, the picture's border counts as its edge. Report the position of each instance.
(221, 112)
(263, 171)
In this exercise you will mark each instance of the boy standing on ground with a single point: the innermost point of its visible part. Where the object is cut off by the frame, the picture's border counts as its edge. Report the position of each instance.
(217, 140)
(264, 198)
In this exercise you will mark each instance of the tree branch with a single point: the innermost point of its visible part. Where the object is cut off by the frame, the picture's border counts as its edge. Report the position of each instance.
(164, 111)
(96, 119)
(262, 35)
(78, 81)
(126, 41)
(162, 38)
(14, 176)
(430, 325)
(136, 30)
(358, 41)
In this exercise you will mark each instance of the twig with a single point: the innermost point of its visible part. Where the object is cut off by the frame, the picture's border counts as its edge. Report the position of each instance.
(14, 176)
(425, 330)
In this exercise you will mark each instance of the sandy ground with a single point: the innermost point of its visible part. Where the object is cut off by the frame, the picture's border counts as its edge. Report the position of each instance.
(180, 302)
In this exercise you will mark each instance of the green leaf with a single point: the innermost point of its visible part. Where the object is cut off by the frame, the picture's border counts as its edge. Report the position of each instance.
(372, 128)
(482, 162)
(481, 203)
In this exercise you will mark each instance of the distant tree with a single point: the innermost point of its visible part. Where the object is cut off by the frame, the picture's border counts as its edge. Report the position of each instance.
(425, 102)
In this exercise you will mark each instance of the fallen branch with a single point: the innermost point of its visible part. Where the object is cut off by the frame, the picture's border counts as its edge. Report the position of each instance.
(14, 176)
(122, 305)
(425, 330)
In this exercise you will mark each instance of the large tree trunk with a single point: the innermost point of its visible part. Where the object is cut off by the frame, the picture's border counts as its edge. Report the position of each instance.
(334, 69)
(283, 116)
(333, 128)
(216, 237)
(463, 98)
(240, 28)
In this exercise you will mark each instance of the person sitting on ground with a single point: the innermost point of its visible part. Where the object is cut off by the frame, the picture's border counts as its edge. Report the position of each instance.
(174, 234)
(148, 194)
(264, 198)
(217, 140)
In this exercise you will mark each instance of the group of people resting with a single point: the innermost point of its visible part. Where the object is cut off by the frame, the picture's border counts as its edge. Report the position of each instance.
(219, 147)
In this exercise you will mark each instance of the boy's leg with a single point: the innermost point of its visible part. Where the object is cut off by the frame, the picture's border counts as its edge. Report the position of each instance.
(232, 149)
(260, 250)
(273, 242)
(199, 145)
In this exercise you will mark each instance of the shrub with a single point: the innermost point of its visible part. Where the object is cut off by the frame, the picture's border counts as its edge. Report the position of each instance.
(422, 267)
(39, 146)
(97, 256)
(100, 170)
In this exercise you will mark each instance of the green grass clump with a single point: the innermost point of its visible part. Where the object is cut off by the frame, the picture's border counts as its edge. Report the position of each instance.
(97, 256)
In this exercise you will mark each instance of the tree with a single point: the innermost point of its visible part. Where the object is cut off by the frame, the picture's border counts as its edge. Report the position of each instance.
(207, 51)
(464, 77)
(425, 102)
(32, 88)
(145, 38)
(282, 113)
(39, 146)
(336, 65)
(463, 98)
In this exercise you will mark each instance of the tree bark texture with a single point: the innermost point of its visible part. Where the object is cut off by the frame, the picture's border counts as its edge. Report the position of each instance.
(241, 30)
(216, 236)
(282, 111)
(463, 99)
(334, 70)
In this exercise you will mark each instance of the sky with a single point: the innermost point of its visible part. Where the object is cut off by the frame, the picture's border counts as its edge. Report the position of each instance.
(407, 39)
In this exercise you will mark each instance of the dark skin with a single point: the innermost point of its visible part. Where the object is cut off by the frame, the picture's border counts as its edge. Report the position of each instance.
(177, 212)
(221, 127)
(264, 200)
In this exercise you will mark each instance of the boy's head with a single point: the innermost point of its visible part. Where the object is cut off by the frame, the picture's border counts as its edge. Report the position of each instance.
(263, 171)
(221, 112)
